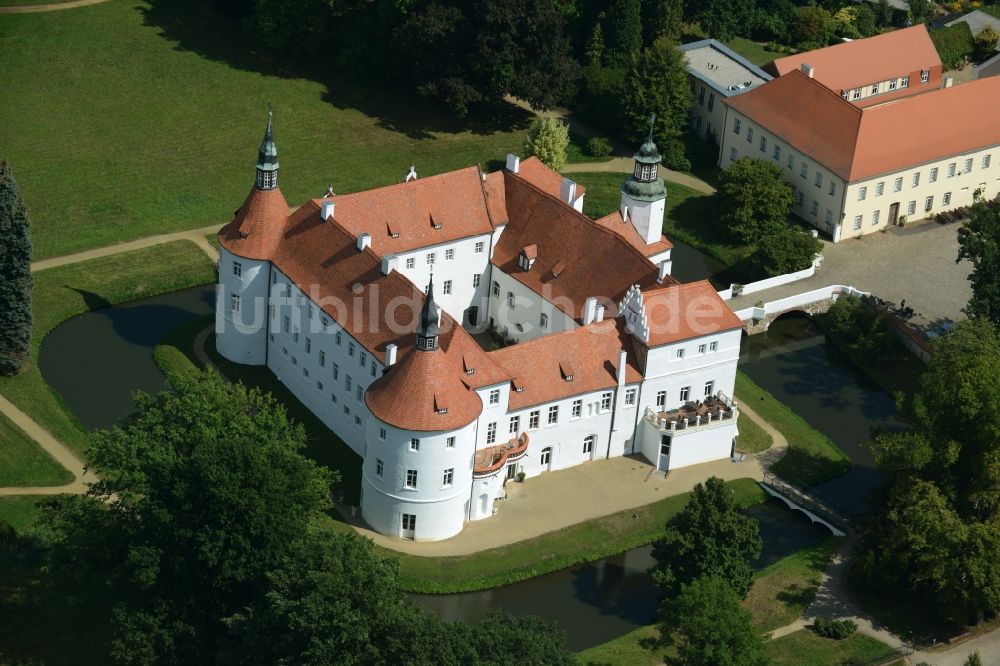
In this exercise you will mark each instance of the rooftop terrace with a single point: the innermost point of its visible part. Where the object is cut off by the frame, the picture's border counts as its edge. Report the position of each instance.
(718, 64)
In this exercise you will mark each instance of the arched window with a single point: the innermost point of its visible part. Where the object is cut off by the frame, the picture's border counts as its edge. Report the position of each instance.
(588, 443)
(546, 456)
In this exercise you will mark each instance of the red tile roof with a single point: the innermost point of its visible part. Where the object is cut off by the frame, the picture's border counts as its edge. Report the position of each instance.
(454, 200)
(541, 176)
(685, 311)
(627, 231)
(574, 254)
(589, 353)
(858, 143)
(865, 61)
(496, 197)
(259, 225)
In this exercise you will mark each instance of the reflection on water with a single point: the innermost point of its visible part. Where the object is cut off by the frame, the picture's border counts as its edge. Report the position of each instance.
(594, 603)
(794, 361)
(96, 360)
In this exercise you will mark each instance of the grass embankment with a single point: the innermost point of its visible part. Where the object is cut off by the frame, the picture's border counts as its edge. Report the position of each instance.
(63, 292)
(584, 542)
(811, 457)
(779, 595)
(187, 159)
(24, 463)
(805, 648)
(752, 438)
(689, 216)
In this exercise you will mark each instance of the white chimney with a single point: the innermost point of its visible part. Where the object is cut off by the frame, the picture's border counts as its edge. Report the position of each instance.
(589, 310)
(664, 271)
(390, 355)
(621, 367)
(389, 263)
(364, 240)
(513, 163)
(599, 315)
(567, 191)
(949, 82)
(412, 175)
(327, 209)
(808, 70)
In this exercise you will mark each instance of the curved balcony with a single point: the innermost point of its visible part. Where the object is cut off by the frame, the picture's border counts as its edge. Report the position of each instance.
(494, 458)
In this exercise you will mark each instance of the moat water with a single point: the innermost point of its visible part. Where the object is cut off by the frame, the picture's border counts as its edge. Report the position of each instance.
(95, 362)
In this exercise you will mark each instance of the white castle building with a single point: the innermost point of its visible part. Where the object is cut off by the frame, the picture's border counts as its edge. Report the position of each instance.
(366, 305)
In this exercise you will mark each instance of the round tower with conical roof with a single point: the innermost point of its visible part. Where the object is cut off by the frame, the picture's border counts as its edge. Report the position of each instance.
(644, 195)
(267, 159)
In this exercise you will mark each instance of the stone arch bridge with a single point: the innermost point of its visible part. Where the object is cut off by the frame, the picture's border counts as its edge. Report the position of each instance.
(758, 318)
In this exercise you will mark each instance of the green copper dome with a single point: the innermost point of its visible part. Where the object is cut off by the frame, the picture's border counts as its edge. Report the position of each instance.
(643, 190)
(645, 183)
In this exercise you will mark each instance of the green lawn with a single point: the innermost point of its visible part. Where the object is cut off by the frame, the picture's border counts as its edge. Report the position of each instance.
(150, 116)
(811, 457)
(805, 648)
(625, 650)
(65, 291)
(755, 52)
(24, 463)
(576, 152)
(783, 590)
(689, 216)
(21, 511)
(752, 438)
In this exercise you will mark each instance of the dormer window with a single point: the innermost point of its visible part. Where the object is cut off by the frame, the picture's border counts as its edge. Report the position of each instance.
(526, 258)
(435, 223)
(393, 231)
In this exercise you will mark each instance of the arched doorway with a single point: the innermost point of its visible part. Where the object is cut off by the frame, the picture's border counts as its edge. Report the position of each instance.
(545, 463)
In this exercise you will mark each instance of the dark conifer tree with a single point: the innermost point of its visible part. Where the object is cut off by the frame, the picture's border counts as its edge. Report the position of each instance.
(15, 276)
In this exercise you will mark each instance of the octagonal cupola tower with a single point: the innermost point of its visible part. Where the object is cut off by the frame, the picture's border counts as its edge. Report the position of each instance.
(267, 159)
(643, 193)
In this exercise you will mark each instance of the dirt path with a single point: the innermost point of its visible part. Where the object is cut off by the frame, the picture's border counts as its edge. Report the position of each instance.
(51, 7)
(52, 446)
(624, 165)
(197, 236)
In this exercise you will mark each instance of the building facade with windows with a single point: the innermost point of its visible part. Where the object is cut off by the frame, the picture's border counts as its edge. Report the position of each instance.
(857, 169)
(613, 356)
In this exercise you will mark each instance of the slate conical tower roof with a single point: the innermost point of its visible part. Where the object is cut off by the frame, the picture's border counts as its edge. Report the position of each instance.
(428, 328)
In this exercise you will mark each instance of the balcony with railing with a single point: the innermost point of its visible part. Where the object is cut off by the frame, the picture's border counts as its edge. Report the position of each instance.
(713, 410)
(494, 458)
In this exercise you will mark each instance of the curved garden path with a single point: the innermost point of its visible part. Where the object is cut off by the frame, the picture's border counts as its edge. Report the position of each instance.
(51, 7)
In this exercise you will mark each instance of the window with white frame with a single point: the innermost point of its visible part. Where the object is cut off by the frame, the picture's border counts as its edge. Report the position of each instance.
(732, 154)
(713, 346)
(495, 396)
(357, 421)
(875, 216)
(763, 144)
(709, 388)
(928, 203)
(295, 334)
(479, 247)
(543, 321)
(986, 162)
(553, 414)
(814, 209)
(916, 180)
(874, 89)
(661, 399)
(446, 287)
(951, 169)
(234, 302)
(382, 434)
(605, 401)
(496, 288)
(911, 208)
(925, 75)
(430, 258)
(449, 443)
(449, 254)
(237, 269)
(819, 179)
(701, 349)
(411, 262)
(856, 93)
(409, 522)
(378, 467)
(576, 410)
(510, 299)
(476, 278)
(749, 135)
(946, 199)
(415, 444)
(359, 393)
(879, 189)
(350, 349)
(857, 221)
(892, 84)
(680, 353)
(514, 425)
(411, 479)
(862, 193)
(804, 172)
(322, 358)
(737, 125)
(449, 477)
(338, 338)
(932, 176)
(897, 184)
(791, 160)
(777, 153)
(309, 345)
(685, 394)
(833, 188)
(588, 444)
(968, 166)
(533, 420)
(904, 82)
(630, 397)
(491, 432)
(336, 371)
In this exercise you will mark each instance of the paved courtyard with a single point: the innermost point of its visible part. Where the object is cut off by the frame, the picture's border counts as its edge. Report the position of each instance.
(916, 263)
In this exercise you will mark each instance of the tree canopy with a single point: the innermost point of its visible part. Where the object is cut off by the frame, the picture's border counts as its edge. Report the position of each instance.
(15, 275)
(547, 140)
(710, 536)
(979, 243)
(709, 627)
(754, 200)
(657, 83)
(785, 251)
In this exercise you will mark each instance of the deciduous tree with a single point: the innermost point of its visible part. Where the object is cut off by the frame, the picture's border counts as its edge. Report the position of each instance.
(724, 19)
(708, 627)
(626, 31)
(986, 43)
(15, 276)
(547, 140)
(785, 251)
(657, 83)
(753, 199)
(709, 537)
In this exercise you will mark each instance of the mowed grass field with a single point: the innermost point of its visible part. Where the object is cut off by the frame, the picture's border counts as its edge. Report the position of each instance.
(127, 119)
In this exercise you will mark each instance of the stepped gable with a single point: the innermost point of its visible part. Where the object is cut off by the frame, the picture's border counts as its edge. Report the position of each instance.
(685, 311)
(588, 259)
(258, 226)
(589, 354)
(625, 229)
(419, 213)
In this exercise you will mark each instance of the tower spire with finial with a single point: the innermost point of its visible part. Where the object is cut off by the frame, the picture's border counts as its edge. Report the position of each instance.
(267, 157)
(428, 328)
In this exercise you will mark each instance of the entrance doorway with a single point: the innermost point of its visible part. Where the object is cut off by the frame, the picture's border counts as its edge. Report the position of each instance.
(511, 471)
(893, 213)
(472, 316)
(409, 525)
(546, 461)
(664, 463)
